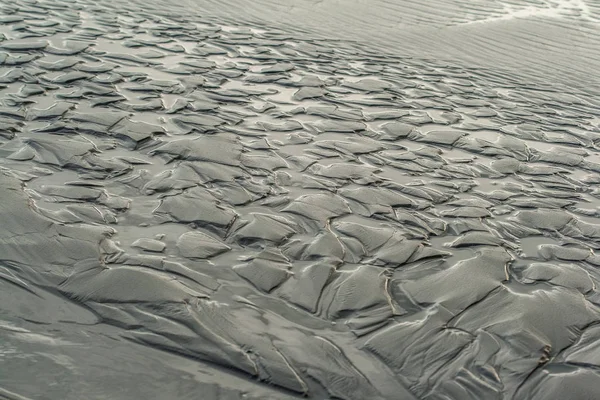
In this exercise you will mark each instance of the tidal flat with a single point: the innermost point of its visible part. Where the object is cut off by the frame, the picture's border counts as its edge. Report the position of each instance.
(296, 199)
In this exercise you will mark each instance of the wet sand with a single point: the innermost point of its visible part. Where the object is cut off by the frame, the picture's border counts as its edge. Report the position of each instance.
(276, 201)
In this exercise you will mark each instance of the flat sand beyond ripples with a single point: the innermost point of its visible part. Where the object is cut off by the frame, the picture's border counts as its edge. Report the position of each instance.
(270, 201)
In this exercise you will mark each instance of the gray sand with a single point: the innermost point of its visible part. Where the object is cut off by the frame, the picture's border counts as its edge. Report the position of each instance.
(267, 200)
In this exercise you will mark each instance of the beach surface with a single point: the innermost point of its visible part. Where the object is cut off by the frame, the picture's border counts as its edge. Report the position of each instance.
(282, 200)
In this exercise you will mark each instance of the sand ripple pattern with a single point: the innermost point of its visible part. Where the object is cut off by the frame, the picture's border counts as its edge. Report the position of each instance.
(542, 40)
(191, 208)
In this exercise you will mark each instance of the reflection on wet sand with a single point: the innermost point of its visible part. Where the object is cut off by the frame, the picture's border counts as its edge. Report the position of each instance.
(194, 205)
